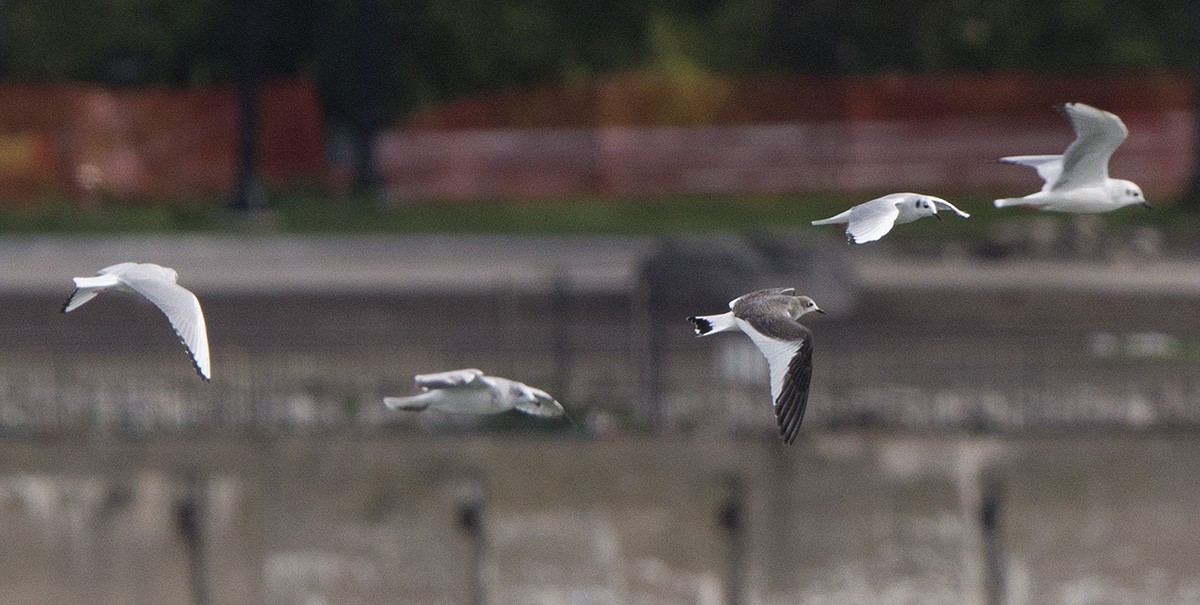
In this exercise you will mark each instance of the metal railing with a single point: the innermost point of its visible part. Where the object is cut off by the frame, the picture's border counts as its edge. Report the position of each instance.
(615, 364)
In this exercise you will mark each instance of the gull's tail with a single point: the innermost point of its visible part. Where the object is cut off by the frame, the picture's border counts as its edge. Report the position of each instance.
(415, 403)
(1011, 201)
(835, 220)
(709, 324)
(86, 288)
(78, 297)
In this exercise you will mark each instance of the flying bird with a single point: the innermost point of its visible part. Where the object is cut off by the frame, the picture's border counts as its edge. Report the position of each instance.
(156, 284)
(871, 220)
(769, 317)
(1078, 181)
(471, 392)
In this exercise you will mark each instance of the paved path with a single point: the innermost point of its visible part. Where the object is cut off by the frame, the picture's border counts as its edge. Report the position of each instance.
(409, 263)
(1166, 276)
(317, 264)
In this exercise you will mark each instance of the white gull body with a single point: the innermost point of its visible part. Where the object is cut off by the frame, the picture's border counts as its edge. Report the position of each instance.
(1077, 181)
(157, 284)
(469, 391)
(769, 317)
(869, 221)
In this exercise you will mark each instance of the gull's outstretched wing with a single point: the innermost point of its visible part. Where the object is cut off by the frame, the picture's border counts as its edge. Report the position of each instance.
(792, 400)
(1097, 134)
(789, 355)
(944, 205)
(1047, 166)
(871, 220)
(181, 307)
(442, 380)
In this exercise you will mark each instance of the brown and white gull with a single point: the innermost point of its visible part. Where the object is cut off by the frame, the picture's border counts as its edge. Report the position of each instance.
(769, 317)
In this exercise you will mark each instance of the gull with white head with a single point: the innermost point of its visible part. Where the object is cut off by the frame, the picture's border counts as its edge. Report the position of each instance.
(1077, 181)
(871, 220)
(769, 317)
(156, 284)
(471, 392)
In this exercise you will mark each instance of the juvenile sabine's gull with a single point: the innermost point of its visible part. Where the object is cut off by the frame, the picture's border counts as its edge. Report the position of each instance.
(1077, 180)
(872, 220)
(768, 317)
(471, 392)
(157, 284)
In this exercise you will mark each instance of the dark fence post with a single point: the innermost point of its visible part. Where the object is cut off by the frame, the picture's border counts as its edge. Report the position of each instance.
(652, 362)
(731, 516)
(562, 336)
(472, 500)
(189, 521)
(990, 513)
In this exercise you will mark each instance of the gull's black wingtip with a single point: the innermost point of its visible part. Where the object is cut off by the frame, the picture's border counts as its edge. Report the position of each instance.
(199, 372)
(192, 358)
(702, 326)
(793, 401)
(67, 303)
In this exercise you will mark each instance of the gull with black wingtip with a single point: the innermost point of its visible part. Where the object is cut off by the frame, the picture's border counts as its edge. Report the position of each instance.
(869, 221)
(469, 391)
(157, 284)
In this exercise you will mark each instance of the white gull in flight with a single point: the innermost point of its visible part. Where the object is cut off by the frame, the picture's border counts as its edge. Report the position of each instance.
(1078, 181)
(157, 284)
(768, 317)
(871, 220)
(471, 392)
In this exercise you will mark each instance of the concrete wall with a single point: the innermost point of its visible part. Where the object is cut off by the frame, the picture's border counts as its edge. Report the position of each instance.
(841, 517)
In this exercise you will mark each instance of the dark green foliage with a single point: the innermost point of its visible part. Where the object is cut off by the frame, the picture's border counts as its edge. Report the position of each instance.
(434, 50)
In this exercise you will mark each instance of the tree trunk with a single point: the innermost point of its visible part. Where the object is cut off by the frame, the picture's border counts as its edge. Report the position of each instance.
(1191, 196)
(248, 193)
(366, 120)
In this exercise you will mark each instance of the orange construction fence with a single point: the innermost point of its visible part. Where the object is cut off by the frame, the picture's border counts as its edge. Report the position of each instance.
(88, 140)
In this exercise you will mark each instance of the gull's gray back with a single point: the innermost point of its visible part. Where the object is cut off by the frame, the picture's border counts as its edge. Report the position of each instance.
(772, 315)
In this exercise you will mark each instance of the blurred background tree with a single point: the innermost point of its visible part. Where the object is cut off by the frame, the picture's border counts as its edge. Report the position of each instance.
(434, 51)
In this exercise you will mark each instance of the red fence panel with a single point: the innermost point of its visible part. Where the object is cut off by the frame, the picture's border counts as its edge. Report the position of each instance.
(768, 135)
